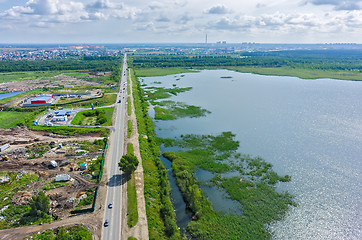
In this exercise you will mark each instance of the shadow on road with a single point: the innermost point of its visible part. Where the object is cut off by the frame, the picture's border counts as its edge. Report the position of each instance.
(116, 180)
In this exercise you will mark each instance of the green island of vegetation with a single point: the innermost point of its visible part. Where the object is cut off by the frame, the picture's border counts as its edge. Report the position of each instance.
(168, 110)
(253, 188)
(174, 110)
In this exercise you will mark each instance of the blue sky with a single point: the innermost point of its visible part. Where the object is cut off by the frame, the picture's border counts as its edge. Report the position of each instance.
(160, 21)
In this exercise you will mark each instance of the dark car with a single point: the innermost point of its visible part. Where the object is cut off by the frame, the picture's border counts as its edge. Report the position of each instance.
(119, 101)
(110, 205)
(106, 223)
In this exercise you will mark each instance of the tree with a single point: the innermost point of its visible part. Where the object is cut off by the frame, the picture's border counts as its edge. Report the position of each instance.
(128, 163)
(39, 206)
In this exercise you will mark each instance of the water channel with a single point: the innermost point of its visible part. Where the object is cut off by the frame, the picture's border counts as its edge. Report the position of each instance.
(9, 94)
(308, 129)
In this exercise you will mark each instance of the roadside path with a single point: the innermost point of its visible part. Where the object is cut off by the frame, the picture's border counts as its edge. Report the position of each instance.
(140, 231)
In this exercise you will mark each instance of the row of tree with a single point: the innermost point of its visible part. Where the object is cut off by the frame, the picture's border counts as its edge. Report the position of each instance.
(312, 59)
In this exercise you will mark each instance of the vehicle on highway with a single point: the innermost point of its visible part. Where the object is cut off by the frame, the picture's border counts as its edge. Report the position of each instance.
(106, 223)
(119, 101)
(110, 205)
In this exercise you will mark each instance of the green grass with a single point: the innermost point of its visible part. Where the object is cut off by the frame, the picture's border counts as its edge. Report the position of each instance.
(52, 185)
(129, 129)
(70, 131)
(129, 106)
(174, 110)
(130, 148)
(152, 72)
(301, 73)
(72, 232)
(88, 200)
(10, 119)
(132, 238)
(29, 75)
(106, 100)
(83, 120)
(18, 182)
(132, 202)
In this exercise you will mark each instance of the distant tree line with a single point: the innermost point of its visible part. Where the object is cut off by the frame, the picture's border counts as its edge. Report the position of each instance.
(350, 60)
(103, 63)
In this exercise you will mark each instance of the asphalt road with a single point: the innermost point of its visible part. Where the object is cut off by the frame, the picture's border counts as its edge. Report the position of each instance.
(115, 181)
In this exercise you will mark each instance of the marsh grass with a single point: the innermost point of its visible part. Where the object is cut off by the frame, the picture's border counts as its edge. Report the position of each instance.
(254, 188)
(174, 110)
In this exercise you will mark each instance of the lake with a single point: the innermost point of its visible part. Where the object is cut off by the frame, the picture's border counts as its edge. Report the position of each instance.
(9, 94)
(308, 129)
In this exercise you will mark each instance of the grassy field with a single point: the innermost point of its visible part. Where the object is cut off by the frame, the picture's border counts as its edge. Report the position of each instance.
(70, 131)
(72, 232)
(29, 75)
(10, 119)
(17, 182)
(129, 128)
(132, 202)
(301, 73)
(82, 119)
(106, 100)
(152, 72)
(129, 106)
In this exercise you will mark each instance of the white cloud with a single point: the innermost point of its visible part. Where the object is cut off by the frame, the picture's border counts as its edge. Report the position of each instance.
(339, 4)
(218, 9)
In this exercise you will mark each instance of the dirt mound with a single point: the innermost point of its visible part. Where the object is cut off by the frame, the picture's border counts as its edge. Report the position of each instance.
(21, 198)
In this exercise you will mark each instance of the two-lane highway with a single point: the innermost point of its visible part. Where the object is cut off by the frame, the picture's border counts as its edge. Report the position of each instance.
(114, 186)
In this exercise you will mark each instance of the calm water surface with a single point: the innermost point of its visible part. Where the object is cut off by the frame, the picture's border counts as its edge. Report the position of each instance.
(309, 129)
(9, 94)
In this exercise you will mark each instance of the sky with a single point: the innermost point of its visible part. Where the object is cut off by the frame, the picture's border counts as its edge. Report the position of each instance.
(180, 21)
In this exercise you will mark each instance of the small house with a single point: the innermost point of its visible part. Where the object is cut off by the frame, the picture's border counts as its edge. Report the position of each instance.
(54, 164)
(62, 178)
(83, 166)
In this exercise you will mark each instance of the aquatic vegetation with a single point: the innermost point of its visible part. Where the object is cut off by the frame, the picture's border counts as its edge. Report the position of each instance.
(254, 188)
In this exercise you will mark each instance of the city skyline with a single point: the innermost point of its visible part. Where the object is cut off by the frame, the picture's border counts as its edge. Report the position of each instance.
(180, 21)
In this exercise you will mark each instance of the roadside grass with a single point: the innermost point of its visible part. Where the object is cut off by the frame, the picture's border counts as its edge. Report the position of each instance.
(105, 100)
(72, 232)
(301, 73)
(130, 148)
(28, 75)
(70, 131)
(91, 118)
(12, 119)
(152, 72)
(129, 129)
(161, 217)
(132, 202)
(129, 106)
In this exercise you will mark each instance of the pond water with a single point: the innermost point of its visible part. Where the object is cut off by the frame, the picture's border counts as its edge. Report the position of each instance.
(308, 129)
(9, 94)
